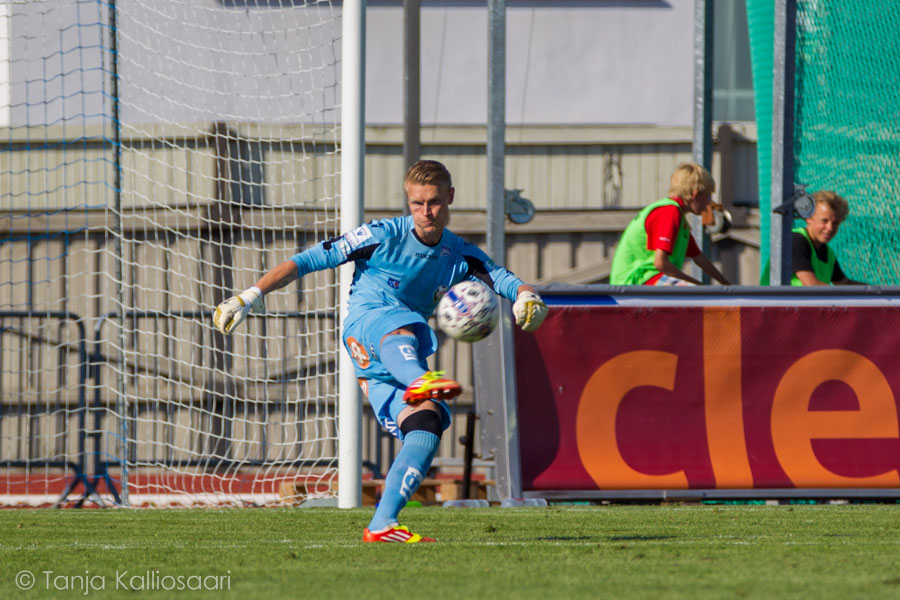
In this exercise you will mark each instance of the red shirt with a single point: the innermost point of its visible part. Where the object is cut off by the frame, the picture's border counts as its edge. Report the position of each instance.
(662, 226)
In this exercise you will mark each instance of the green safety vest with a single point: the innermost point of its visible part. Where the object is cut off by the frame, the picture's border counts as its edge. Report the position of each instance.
(824, 271)
(633, 261)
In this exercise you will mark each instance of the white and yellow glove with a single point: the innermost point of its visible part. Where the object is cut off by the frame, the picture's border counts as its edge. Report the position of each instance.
(233, 311)
(530, 311)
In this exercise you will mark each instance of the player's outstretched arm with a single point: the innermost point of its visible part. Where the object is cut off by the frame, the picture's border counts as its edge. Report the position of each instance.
(232, 312)
(278, 277)
(665, 266)
(709, 268)
(808, 278)
(529, 310)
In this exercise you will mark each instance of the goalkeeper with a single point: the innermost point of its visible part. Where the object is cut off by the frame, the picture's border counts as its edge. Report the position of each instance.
(403, 267)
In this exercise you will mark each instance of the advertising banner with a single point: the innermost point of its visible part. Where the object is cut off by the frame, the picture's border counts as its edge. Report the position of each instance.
(710, 397)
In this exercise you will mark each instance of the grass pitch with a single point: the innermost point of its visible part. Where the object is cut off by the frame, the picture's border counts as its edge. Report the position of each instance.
(691, 551)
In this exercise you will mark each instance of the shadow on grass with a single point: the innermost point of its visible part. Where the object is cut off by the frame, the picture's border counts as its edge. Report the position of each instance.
(565, 538)
(613, 538)
(639, 538)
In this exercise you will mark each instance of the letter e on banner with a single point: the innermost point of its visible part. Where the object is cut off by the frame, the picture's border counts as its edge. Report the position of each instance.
(794, 426)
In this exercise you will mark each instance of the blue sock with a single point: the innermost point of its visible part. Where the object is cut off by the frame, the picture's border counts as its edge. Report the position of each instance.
(400, 356)
(404, 476)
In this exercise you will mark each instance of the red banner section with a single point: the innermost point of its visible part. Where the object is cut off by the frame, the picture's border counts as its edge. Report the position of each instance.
(613, 397)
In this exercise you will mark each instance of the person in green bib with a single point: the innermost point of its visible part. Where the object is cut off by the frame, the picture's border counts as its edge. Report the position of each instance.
(814, 262)
(656, 243)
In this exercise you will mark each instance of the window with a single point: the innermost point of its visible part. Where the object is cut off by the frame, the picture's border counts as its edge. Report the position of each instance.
(732, 74)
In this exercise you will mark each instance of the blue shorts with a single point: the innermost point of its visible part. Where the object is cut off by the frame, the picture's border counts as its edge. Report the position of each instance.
(387, 401)
(366, 325)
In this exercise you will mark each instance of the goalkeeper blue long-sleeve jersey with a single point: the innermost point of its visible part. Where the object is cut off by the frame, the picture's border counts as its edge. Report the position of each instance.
(394, 267)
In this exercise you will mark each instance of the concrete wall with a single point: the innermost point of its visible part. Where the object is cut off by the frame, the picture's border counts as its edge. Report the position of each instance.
(568, 62)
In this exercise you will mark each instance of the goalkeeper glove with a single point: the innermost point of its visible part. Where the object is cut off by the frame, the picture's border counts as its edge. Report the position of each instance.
(530, 311)
(233, 311)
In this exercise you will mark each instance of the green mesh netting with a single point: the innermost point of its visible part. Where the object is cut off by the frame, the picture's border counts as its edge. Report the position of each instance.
(761, 22)
(847, 122)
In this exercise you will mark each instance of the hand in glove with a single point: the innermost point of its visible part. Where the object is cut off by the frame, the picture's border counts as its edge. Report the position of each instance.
(530, 311)
(232, 312)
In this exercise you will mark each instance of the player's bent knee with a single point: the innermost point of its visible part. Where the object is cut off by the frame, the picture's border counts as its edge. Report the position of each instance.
(423, 420)
(400, 331)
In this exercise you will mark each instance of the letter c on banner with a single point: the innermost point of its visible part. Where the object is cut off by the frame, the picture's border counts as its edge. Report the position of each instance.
(794, 426)
(595, 423)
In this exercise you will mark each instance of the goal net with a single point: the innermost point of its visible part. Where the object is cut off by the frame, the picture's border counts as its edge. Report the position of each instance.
(846, 131)
(157, 157)
(847, 135)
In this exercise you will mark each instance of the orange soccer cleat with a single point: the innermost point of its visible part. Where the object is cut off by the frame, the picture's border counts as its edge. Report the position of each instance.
(431, 386)
(397, 533)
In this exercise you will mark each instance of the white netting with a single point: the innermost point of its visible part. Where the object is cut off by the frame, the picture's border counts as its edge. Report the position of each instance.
(155, 178)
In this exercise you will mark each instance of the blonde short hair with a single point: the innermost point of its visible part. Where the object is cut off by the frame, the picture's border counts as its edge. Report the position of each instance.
(429, 172)
(689, 178)
(836, 203)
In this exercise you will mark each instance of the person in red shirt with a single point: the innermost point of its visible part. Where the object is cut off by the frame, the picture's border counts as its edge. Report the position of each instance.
(657, 242)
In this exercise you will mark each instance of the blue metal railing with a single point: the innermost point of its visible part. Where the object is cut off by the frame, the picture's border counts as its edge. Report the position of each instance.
(78, 466)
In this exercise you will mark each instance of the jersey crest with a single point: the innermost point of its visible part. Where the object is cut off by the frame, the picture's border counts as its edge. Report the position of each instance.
(358, 236)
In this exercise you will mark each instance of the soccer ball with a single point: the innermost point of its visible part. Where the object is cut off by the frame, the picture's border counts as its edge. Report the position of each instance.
(468, 312)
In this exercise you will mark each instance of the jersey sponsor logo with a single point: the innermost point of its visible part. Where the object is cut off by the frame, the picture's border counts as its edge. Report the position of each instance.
(411, 480)
(358, 353)
(426, 256)
(440, 291)
(359, 235)
(408, 352)
(344, 247)
(394, 283)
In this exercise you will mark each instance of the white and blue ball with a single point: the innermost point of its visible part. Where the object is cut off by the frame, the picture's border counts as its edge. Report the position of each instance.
(468, 312)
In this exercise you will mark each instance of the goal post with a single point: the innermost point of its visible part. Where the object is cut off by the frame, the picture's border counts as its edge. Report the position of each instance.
(353, 150)
(159, 157)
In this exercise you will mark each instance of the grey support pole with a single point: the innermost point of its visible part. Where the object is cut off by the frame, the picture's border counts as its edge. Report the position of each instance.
(123, 406)
(780, 254)
(411, 87)
(495, 388)
(701, 149)
(496, 138)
